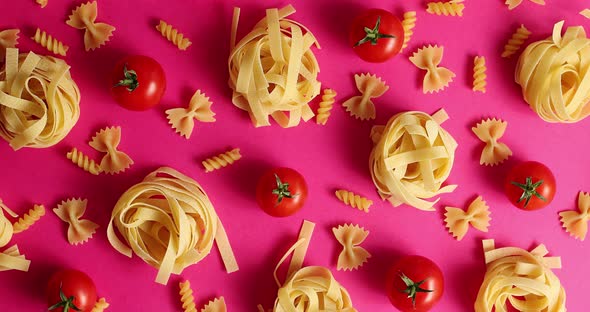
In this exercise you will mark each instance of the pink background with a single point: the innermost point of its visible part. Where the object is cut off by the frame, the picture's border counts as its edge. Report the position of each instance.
(330, 157)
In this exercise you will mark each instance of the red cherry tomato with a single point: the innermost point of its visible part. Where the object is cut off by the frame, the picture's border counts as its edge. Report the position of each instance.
(530, 185)
(138, 82)
(281, 192)
(376, 35)
(414, 283)
(68, 290)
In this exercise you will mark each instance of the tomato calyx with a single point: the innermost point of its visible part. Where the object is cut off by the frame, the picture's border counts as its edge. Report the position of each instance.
(413, 288)
(130, 80)
(529, 189)
(66, 303)
(373, 35)
(282, 190)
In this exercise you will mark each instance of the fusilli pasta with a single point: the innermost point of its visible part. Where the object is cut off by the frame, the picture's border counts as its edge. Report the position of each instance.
(355, 201)
(29, 218)
(83, 161)
(171, 34)
(445, 8)
(50, 43)
(516, 41)
(479, 74)
(409, 22)
(186, 297)
(325, 106)
(221, 160)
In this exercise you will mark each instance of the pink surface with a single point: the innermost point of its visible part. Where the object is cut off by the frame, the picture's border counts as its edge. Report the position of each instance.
(330, 157)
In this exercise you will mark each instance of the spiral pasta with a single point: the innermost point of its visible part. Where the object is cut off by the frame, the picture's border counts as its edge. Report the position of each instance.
(186, 297)
(29, 218)
(325, 106)
(83, 161)
(100, 305)
(221, 160)
(353, 200)
(516, 41)
(412, 158)
(50, 43)
(39, 101)
(173, 35)
(408, 23)
(479, 74)
(445, 8)
(555, 74)
(169, 222)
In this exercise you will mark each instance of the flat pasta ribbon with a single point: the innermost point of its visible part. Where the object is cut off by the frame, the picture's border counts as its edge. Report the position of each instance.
(361, 106)
(411, 159)
(169, 222)
(95, 34)
(79, 230)
(437, 78)
(8, 39)
(523, 278)
(585, 13)
(6, 228)
(273, 71)
(490, 131)
(555, 75)
(574, 222)
(350, 237)
(39, 101)
(216, 305)
(514, 3)
(106, 141)
(477, 215)
(183, 119)
(11, 259)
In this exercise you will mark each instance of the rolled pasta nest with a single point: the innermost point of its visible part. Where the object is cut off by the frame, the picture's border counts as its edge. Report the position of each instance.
(273, 71)
(555, 75)
(411, 159)
(39, 101)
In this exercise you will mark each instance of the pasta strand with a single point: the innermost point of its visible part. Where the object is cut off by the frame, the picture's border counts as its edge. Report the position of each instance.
(353, 200)
(221, 160)
(100, 305)
(445, 8)
(83, 161)
(171, 34)
(408, 23)
(325, 106)
(516, 41)
(479, 74)
(50, 43)
(186, 297)
(29, 218)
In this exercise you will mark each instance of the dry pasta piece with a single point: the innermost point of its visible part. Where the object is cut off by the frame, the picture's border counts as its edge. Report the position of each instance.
(479, 74)
(437, 78)
(8, 39)
(42, 3)
(106, 141)
(183, 119)
(585, 13)
(516, 41)
(477, 215)
(523, 278)
(79, 230)
(576, 223)
(355, 201)
(514, 3)
(490, 131)
(95, 34)
(409, 22)
(216, 305)
(6, 228)
(50, 43)
(83, 161)
(273, 71)
(361, 106)
(100, 305)
(173, 35)
(411, 159)
(554, 74)
(325, 106)
(29, 218)
(221, 160)
(445, 8)
(350, 237)
(11, 259)
(186, 297)
(39, 101)
(168, 221)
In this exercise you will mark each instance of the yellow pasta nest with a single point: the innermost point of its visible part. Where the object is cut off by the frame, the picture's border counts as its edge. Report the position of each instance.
(554, 75)
(6, 228)
(83, 161)
(26, 221)
(39, 105)
(273, 71)
(354, 200)
(100, 305)
(186, 297)
(445, 8)
(412, 157)
(221, 160)
(409, 22)
(325, 106)
(48, 42)
(172, 35)
(479, 74)
(516, 41)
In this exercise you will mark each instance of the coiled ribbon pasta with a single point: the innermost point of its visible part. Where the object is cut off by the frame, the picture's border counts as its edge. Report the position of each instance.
(6, 229)
(273, 71)
(39, 101)
(412, 157)
(169, 222)
(555, 75)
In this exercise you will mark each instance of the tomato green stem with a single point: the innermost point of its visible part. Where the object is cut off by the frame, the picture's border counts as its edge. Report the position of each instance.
(529, 189)
(66, 303)
(282, 190)
(373, 35)
(130, 80)
(412, 288)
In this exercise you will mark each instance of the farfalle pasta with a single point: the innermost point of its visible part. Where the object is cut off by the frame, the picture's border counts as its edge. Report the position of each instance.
(168, 221)
(216, 305)
(39, 101)
(490, 131)
(29, 218)
(71, 212)
(273, 71)
(479, 74)
(8, 39)
(100, 305)
(183, 119)
(514, 3)
(522, 278)
(437, 78)
(350, 237)
(107, 141)
(516, 41)
(477, 215)
(12, 259)
(173, 35)
(325, 106)
(370, 86)
(95, 34)
(576, 222)
(555, 73)
(411, 159)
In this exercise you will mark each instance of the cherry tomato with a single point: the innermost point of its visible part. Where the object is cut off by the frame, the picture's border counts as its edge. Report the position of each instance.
(138, 82)
(414, 283)
(281, 192)
(530, 185)
(70, 290)
(376, 35)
